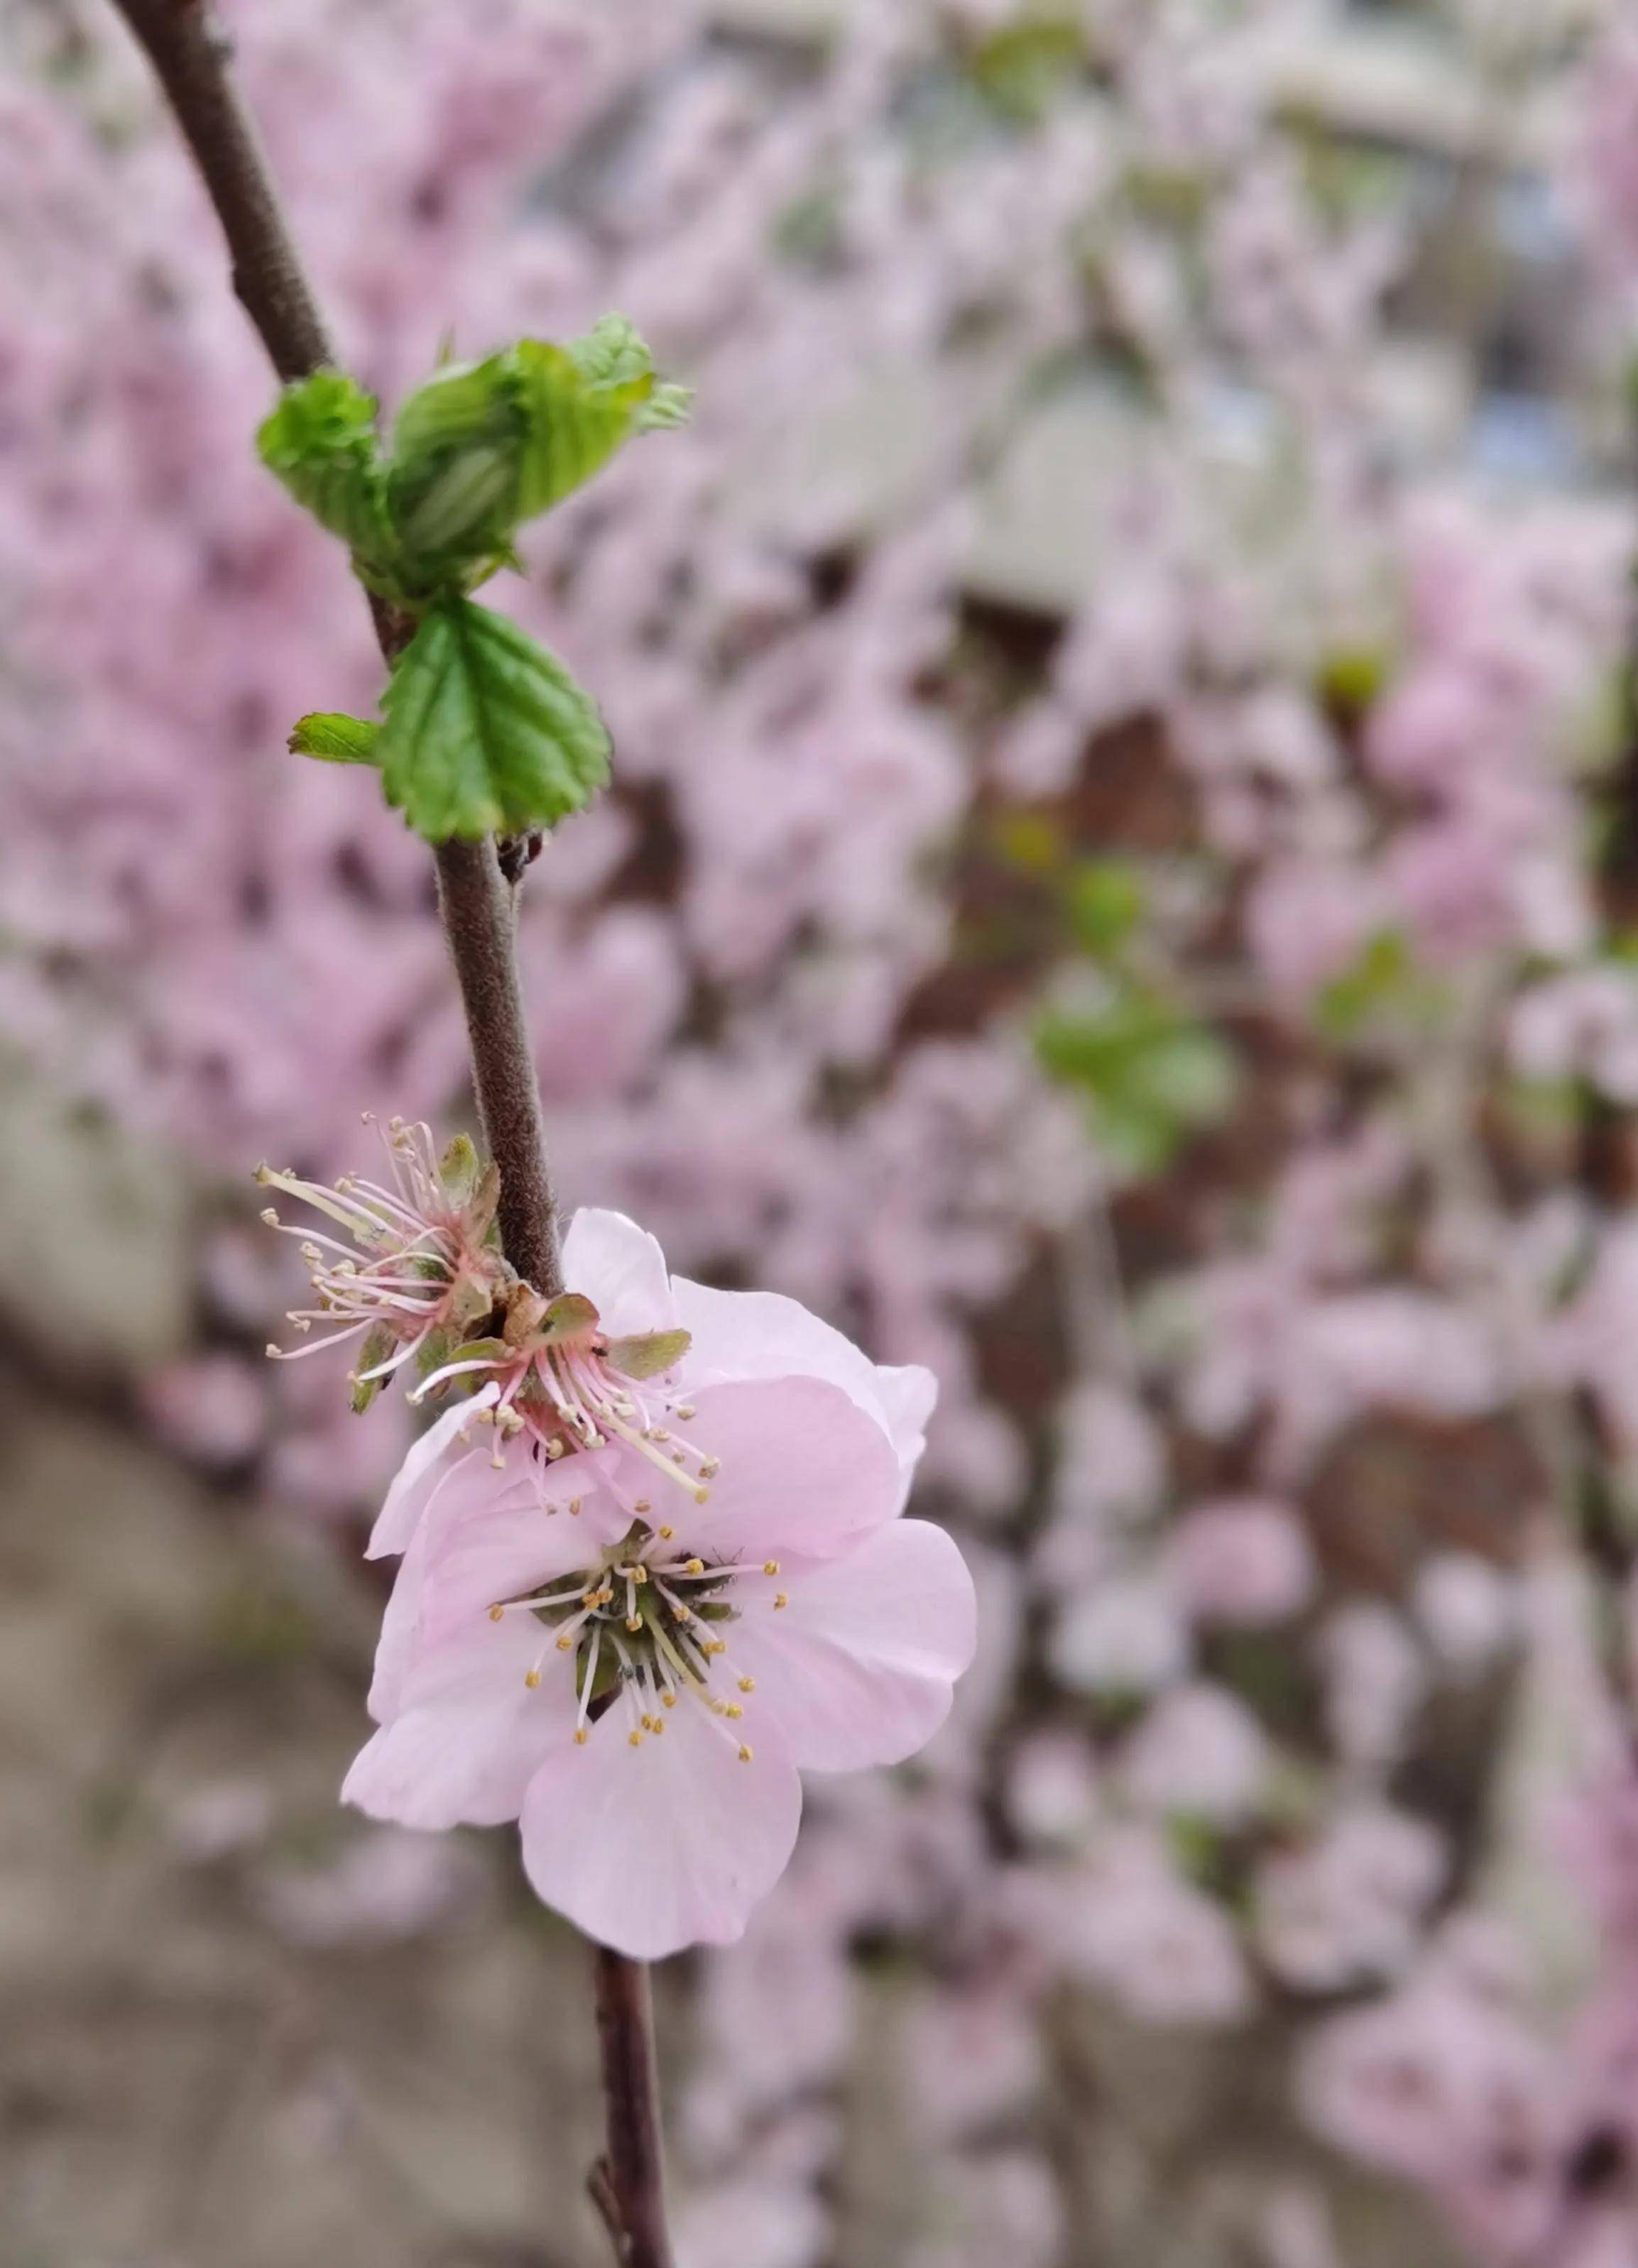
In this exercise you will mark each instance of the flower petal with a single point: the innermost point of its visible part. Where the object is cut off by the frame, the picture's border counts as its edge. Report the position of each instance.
(744, 1335)
(907, 1392)
(621, 1269)
(667, 1845)
(470, 1732)
(420, 1475)
(858, 1668)
(519, 1546)
(509, 1532)
(802, 1469)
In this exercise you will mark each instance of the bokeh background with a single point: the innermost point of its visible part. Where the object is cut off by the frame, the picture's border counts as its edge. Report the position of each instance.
(1123, 886)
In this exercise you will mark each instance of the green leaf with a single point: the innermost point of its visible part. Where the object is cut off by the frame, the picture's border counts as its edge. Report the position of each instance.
(483, 446)
(1151, 1074)
(486, 733)
(320, 441)
(335, 739)
(1106, 898)
(612, 353)
(457, 453)
(574, 422)
(1379, 981)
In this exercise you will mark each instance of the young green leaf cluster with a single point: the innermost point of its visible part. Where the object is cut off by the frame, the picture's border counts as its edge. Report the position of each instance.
(483, 731)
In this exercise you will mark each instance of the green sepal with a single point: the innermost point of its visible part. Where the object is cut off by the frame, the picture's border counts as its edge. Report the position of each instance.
(459, 1172)
(335, 739)
(481, 1206)
(434, 1351)
(646, 1354)
(486, 733)
(379, 1342)
(470, 1299)
(480, 1351)
(319, 440)
(570, 1315)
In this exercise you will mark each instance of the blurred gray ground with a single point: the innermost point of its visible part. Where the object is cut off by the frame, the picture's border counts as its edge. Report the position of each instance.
(180, 2082)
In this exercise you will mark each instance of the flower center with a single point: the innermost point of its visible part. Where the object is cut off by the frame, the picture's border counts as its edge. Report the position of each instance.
(645, 1626)
(594, 1404)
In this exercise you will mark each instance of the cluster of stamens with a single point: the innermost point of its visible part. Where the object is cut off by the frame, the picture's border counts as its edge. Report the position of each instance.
(566, 1393)
(412, 1250)
(645, 1626)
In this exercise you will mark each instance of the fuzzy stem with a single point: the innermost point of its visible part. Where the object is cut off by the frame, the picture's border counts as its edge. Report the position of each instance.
(191, 58)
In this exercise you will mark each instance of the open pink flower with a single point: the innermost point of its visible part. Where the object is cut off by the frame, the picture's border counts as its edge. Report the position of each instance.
(631, 1634)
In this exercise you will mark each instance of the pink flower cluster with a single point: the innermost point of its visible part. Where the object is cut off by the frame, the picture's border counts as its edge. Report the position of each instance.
(782, 1005)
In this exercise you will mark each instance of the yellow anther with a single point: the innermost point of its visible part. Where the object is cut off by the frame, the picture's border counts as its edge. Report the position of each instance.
(716, 1645)
(531, 1678)
(748, 1685)
(670, 1700)
(667, 1533)
(634, 1622)
(496, 1613)
(781, 1598)
(681, 1613)
(694, 1567)
(565, 1645)
(733, 1709)
(639, 1574)
(634, 1740)
(769, 1566)
(745, 1754)
(579, 1737)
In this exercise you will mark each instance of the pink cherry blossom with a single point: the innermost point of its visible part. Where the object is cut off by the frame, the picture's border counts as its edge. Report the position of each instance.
(1243, 1560)
(1348, 1908)
(631, 1635)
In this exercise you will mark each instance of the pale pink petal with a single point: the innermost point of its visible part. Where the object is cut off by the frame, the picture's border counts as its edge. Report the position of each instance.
(802, 1469)
(908, 1392)
(743, 1335)
(621, 1269)
(488, 1537)
(667, 1845)
(858, 1667)
(471, 1732)
(420, 1475)
(516, 1548)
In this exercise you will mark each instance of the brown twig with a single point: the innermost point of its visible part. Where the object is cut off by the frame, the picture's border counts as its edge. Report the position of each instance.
(192, 60)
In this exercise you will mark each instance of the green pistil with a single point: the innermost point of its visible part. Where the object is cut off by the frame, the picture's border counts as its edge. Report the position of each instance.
(666, 1645)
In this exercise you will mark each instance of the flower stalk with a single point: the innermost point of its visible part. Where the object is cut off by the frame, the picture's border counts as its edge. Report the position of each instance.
(192, 58)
